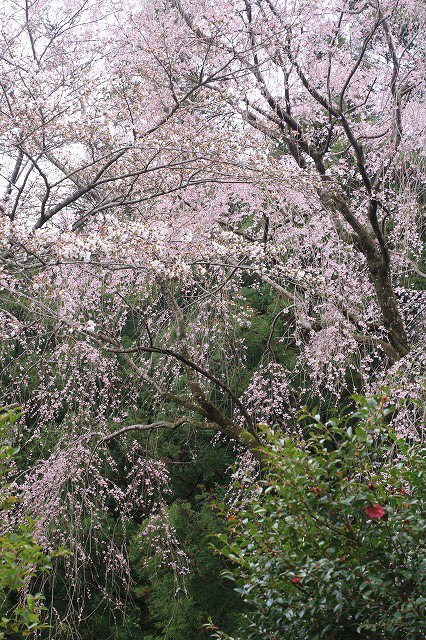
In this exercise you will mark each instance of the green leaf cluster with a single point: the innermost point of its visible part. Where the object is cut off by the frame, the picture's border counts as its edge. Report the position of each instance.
(331, 543)
(22, 559)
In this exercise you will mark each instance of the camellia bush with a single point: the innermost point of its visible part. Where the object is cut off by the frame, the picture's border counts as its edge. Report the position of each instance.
(331, 542)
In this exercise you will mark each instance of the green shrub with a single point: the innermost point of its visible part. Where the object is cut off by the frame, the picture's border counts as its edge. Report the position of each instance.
(21, 557)
(331, 542)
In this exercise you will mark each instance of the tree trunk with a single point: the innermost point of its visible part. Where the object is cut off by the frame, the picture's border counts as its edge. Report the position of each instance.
(377, 258)
(388, 304)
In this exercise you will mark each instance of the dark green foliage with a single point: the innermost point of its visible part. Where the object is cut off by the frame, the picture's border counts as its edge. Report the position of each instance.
(180, 614)
(258, 339)
(331, 545)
